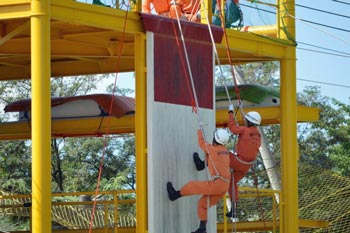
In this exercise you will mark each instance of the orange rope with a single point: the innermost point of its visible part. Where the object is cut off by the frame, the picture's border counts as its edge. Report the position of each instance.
(108, 122)
(239, 102)
(193, 103)
(229, 53)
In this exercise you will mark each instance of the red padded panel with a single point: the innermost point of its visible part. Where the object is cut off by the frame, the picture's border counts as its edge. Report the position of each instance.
(170, 82)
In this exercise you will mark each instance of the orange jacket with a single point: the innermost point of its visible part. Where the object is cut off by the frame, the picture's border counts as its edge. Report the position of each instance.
(219, 157)
(249, 140)
(191, 6)
(160, 6)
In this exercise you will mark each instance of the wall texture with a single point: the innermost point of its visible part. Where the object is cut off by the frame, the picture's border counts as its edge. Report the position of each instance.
(172, 130)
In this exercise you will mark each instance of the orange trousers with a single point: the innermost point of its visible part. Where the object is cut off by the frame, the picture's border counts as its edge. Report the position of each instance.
(213, 189)
(239, 171)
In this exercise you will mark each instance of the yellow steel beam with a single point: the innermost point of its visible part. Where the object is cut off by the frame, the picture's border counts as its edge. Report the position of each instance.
(267, 30)
(240, 226)
(14, 32)
(252, 226)
(71, 127)
(41, 116)
(289, 145)
(206, 12)
(97, 125)
(83, 31)
(252, 45)
(308, 223)
(141, 134)
(14, 72)
(271, 115)
(95, 230)
(15, 9)
(106, 65)
(95, 16)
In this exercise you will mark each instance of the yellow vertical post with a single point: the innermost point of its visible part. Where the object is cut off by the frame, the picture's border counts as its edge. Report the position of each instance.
(206, 10)
(115, 203)
(289, 148)
(141, 133)
(135, 5)
(41, 116)
(278, 15)
(105, 217)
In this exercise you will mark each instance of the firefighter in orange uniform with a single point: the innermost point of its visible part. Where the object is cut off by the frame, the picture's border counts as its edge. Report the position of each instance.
(161, 7)
(247, 149)
(217, 157)
(176, 9)
(184, 9)
(191, 10)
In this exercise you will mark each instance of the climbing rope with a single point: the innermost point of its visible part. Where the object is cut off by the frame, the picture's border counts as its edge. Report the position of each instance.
(106, 139)
(233, 202)
(192, 88)
(240, 104)
(236, 89)
(195, 100)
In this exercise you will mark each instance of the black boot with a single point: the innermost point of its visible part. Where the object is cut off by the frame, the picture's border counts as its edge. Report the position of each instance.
(231, 214)
(200, 165)
(202, 227)
(173, 194)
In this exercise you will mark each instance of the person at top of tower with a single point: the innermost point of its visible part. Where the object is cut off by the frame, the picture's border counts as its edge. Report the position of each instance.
(217, 157)
(232, 13)
(182, 9)
(161, 7)
(185, 9)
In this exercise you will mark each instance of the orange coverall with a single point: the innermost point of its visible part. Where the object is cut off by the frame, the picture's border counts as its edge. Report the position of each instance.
(176, 8)
(160, 6)
(247, 148)
(190, 10)
(212, 189)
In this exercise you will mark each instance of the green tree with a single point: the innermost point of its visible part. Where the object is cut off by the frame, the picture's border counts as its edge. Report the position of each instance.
(340, 138)
(62, 87)
(75, 161)
(263, 73)
(15, 167)
(326, 142)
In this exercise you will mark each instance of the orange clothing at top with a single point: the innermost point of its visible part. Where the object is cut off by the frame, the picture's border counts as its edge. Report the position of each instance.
(212, 189)
(247, 148)
(160, 6)
(185, 8)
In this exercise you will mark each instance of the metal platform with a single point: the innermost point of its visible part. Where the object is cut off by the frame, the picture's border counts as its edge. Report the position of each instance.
(91, 39)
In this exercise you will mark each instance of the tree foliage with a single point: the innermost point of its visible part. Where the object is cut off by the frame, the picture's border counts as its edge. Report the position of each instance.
(75, 162)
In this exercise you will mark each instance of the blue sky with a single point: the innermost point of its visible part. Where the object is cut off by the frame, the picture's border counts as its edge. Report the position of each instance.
(327, 65)
(316, 68)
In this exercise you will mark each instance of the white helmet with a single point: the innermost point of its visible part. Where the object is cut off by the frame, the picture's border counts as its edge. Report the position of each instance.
(253, 117)
(221, 136)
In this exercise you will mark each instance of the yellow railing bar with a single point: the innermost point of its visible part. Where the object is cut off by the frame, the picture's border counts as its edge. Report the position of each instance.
(262, 193)
(117, 201)
(262, 3)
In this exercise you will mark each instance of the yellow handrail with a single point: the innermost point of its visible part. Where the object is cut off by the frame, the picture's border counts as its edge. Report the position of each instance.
(110, 202)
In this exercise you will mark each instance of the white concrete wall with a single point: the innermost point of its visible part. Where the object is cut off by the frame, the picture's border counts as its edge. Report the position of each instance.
(172, 139)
